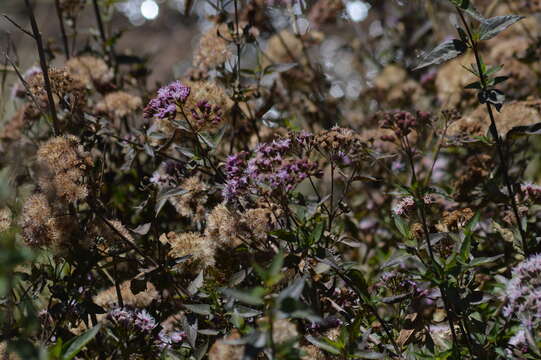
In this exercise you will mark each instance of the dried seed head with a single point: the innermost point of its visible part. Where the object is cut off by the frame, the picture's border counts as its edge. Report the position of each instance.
(66, 162)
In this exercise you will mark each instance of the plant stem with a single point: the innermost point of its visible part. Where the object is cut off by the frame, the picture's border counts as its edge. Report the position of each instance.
(62, 28)
(495, 134)
(43, 64)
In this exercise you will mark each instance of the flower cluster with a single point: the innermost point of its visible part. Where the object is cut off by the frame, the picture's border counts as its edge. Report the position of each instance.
(403, 122)
(531, 192)
(272, 165)
(66, 163)
(404, 206)
(165, 105)
(523, 292)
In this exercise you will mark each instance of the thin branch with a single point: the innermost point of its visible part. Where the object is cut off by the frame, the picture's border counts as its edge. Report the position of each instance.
(62, 28)
(44, 67)
(18, 26)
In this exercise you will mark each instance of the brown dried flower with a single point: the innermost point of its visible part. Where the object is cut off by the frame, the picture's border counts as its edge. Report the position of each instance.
(5, 219)
(221, 350)
(66, 162)
(191, 204)
(13, 128)
(39, 226)
(199, 247)
(259, 222)
(454, 220)
(212, 51)
(513, 114)
(108, 298)
(119, 104)
(222, 226)
(64, 87)
(89, 70)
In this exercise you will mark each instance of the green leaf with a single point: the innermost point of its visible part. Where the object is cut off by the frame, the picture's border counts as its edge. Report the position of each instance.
(323, 345)
(463, 4)
(253, 297)
(75, 345)
(402, 227)
(483, 260)
(164, 195)
(358, 281)
(474, 85)
(445, 51)
(495, 25)
(201, 309)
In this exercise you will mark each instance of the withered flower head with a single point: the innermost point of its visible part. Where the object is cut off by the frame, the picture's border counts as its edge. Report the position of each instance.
(119, 104)
(89, 70)
(66, 162)
(212, 51)
(5, 219)
(108, 298)
(200, 249)
(191, 204)
(39, 226)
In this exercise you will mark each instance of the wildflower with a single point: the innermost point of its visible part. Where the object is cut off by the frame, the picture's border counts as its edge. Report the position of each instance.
(404, 206)
(39, 227)
(121, 316)
(523, 292)
(64, 87)
(144, 321)
(119, 104)
(18, 90)
(89, 70)
(65, 162)
(212, 51)
(166, 339)
(164, 106)
(451, 221)
(271, 166)
(191, 204)
(341, 145)
(208, 105)
(108, 298)
(5, 219)
(518, 344)
(221, 350)
(199, 248)
(259, 222)
(531, 192)
(222, 226)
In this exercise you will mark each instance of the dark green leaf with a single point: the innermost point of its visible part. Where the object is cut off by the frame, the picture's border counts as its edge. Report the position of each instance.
(495, 25)
(323, 345)
(474, 85)
(138, 285)
(201, 309)
(74, 346)
(446, 51)
(253, 297)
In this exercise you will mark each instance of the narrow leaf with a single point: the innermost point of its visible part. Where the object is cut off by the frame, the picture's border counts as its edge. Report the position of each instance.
(445, 51)
(495, 25)
(74, 346)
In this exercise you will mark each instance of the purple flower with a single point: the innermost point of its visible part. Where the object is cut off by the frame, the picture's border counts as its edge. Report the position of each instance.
(272, 165)
(531, 192)
(164, 105)
(121, 316)
(404, 206)
(523, 292)
(168, 338)
(144, 321)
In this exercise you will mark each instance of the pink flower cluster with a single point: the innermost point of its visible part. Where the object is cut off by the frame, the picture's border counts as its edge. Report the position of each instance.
(272, 164)
(169, 97)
